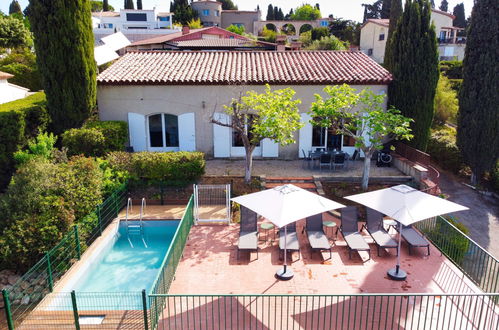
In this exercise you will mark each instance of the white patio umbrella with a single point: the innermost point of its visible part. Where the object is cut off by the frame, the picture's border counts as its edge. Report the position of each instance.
(406, 205)
(283, 205)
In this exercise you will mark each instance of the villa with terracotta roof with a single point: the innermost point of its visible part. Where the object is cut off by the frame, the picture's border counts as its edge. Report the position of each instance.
(168, 98)
(374, 33)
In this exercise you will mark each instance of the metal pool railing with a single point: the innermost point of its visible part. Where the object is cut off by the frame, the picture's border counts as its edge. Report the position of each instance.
(479, 265)
(361, 311)
(167, 270)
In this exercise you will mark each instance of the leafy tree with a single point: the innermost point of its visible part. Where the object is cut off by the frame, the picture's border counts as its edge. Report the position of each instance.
(460, 19)
(128, 4)
(385, 9)
(97, 6)
(446, 103)
(70, 85)
(306, 13)
(415, 70)
(268, 115)
(395, 13)
(183, 12)
(270, 13)
(42, 146)
(139, 4)
(236, 29)
(328, 43)
(228, 5)
(444, 5)
(478, 120)
(318, 33)
(362, 117)
(372, 10)
(13, 33)
(22, 64)
(195, 23)
(15, 7)
(268, 34)
(289, 15)
(345, 30)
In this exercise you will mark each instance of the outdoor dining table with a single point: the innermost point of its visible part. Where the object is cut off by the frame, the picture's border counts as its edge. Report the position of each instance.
(316, 155)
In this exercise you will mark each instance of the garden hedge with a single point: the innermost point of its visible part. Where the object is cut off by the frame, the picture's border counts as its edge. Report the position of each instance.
(20, 121)
(443, 149)
(181, 166)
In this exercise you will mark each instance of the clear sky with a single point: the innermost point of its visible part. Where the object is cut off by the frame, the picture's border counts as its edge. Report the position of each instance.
(349, 9)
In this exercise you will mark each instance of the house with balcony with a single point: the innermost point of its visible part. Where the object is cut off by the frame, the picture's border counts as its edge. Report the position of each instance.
(451, 44)
(135, 24)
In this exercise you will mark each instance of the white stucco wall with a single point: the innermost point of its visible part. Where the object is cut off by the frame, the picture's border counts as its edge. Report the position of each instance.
(115, 102)
(369, 39)
(10, 92)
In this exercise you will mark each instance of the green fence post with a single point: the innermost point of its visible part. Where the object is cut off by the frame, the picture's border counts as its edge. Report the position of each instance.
(144, 307)
(77, 240)
(75, 310)
(99, 218)
(49, 272)
(8, 314)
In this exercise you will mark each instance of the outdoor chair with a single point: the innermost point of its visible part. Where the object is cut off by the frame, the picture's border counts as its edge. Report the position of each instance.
(325, 160)
(339, 160)
(374, 227)
(350, 230)
(316, 235)
(307, 160)
(292, 243)
(414, 238)
(248, 231)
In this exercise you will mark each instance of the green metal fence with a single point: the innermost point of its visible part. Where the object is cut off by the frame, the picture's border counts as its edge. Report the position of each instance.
(172, 258)
(38, 281)
(479, 265)
(361, 311)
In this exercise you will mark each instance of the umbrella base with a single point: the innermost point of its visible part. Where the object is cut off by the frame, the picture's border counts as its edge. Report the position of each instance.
(284, 274)
(397, 274)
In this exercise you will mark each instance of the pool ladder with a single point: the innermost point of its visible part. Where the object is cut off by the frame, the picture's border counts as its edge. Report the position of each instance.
(132, 228)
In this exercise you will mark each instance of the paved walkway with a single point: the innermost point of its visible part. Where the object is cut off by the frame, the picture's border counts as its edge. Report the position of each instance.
(482, 219)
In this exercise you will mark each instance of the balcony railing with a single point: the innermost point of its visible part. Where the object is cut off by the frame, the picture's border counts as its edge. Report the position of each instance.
(459, 40)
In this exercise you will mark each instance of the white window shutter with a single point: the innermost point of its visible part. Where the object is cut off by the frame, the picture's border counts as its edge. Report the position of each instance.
(137, 130)
(270, 148)
(187, 132)
(221, 136)
(305, 138)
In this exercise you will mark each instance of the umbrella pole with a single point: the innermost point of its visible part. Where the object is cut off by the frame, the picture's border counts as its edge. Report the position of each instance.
(396, 273)
(285, 274)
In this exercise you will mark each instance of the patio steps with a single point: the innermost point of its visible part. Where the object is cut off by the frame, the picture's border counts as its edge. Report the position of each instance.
(306, 183)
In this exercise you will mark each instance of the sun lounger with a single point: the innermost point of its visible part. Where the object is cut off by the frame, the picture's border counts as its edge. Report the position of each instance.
(350, 230)
(414, 238)
(292, 243)
(374, 227)
(248, 232)
(316, 236)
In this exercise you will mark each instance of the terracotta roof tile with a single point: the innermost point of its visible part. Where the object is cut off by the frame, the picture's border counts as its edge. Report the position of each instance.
(5, 75)
(257, 67)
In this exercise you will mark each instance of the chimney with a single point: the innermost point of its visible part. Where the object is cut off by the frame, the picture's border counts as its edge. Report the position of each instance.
(296, 45)
(185, 30)
(280, 40)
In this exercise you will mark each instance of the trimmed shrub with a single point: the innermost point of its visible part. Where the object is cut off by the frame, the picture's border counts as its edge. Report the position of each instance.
(456, 84)
(443, 149)
(20, 121)
(179, 166)
(452, 69)
(96, 138)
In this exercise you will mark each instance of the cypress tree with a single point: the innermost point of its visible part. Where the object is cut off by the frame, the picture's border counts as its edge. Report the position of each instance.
(128, 4)
(385, 8)
(444, 5)
(270, 13)
(395, 13)
(105, 5)
(139, 4)
(478, 119)
(460, 19)
(65, 58)
(15, 8)
(415, 69)
(276, 13)
(183, 11)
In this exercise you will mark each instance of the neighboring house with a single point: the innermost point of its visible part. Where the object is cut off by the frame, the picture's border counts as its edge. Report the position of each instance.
(298, 26)
(135, 24)
(10, 92)
(169, 98)
(208, 38)
(374, 32)
(211, 14)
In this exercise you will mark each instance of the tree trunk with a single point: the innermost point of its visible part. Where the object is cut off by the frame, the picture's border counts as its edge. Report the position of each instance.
(365, 171)
(248, 164)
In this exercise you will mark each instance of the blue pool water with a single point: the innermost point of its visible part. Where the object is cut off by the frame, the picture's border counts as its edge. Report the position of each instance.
(123, 268)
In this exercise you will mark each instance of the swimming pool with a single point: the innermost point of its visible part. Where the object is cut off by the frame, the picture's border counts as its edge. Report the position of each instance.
(128, 263)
